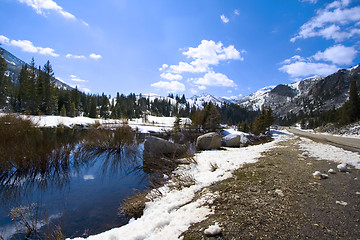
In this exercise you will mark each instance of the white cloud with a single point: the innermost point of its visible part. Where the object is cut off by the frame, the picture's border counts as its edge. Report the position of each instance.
(305, 69)
(95, 56)
(75, 56)
(4, 40)
(338, 54)
(47, 51)
(236, 12)
(214, 79)
(206, 54)
(224, 19)
(310, 1)
(293, 59)
(170, 76)
(334, 22)
(28, 46)
(76, 79)
(163, 67)
(44, 6)
(25, 45)
(202, 87)
(173, 86)
(298, 49)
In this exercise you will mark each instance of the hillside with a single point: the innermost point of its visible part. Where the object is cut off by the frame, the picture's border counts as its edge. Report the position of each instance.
(315, 94)
(14, 65)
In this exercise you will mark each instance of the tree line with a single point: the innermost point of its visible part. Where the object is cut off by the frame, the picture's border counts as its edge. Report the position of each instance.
(36, 92)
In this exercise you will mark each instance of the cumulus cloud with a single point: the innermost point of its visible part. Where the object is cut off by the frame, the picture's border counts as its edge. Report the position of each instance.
(44, 6)
(236, 12)
(173, 86)
(214, 79)
(4, 40)
(28, 46)
(338, 54)
(336, 21)
(170, 76)
(75, 56)
(95, 56)
(224, 19)
(206, 54)
(302, 68)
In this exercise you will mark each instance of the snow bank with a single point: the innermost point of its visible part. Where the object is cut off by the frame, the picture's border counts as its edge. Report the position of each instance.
(329, 152)
(154, 124)
(174, 211)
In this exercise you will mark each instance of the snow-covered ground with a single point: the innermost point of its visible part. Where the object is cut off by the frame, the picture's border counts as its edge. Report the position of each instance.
(174, 211)
(155, 124)
(331, 153)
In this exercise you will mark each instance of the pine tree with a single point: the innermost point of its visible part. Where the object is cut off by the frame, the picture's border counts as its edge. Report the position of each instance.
(72, 110)
(354, 103)
(93, 106)
(4, 82)
(104, 109)
(211, 118)
(63, 111)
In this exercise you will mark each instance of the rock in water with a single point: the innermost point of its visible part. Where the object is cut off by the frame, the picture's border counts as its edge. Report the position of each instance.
(231, 140)
(159, 146)
(208, 141)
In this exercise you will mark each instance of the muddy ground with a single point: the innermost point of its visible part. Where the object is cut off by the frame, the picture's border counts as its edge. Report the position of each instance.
(278, 198)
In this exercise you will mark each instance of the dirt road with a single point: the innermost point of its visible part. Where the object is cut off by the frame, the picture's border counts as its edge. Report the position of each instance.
(278, 198)
(352, 144)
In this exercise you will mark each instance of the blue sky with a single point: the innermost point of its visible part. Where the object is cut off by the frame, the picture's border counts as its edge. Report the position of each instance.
(226, 48)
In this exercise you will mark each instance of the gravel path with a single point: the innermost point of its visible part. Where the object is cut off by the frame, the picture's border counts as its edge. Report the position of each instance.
(278, 198)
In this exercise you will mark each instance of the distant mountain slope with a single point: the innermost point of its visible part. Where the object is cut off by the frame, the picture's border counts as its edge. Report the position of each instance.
(312, 94)
(15, 64)
(199, 100)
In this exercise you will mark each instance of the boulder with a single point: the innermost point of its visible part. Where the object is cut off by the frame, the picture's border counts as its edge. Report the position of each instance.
(157, 146)
(231, 140)
(208, 141)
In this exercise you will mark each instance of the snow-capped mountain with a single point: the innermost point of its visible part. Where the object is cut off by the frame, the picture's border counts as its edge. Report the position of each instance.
(199, 100)
(311, 94)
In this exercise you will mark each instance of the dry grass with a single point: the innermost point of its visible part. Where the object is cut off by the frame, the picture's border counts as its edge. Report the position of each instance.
(213, 167)
(182, 180)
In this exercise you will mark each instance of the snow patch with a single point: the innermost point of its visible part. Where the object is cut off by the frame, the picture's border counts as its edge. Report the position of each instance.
(329, 152)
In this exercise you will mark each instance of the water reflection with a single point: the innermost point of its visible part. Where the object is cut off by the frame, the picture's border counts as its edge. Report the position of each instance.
(52, 166)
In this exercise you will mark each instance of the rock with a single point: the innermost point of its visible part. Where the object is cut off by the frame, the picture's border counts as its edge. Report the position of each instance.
(319, 175)
(160, 154)
(231, 140)
(279, 192)
(332, 171)
(342, 167)
(213, 230)
(208, 141)
(158, 146)
(342, 203)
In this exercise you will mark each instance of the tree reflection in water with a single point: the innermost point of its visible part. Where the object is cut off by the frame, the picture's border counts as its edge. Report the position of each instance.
(34, 159)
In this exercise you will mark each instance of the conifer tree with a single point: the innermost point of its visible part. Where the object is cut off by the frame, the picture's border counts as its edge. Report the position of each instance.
(211, 118)
(72, 110)
(63, 111)
(104, 109)
(93, 105)
(4, 82)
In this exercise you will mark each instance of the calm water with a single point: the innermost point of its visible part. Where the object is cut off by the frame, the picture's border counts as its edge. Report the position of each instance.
(78, 188)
